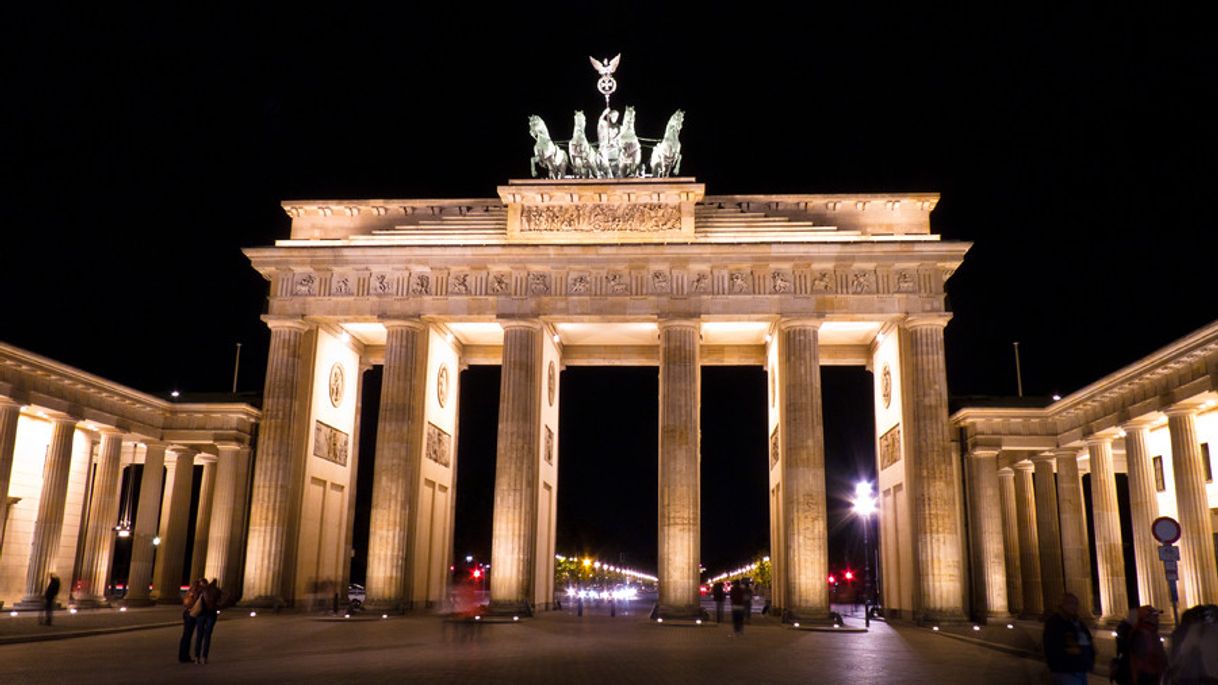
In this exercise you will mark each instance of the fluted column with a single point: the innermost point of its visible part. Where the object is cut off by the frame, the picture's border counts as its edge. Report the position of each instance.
(223, 535)
(1110, 557)
(802, 461)
(49, 524)
(936, 525)
(103, 514)
(398, 459)
(198, 556)
(147, 514)
(1010, 539)
(1029, 543)
(271, 506)
(1048, 532)
(1143, 509)
(988, 531)
(1197, 567)
(514, 524)
(10, 411)
(171, 556)
(1076, 557)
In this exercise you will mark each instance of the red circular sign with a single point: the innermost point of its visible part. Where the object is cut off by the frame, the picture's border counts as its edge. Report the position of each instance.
(1165, 529)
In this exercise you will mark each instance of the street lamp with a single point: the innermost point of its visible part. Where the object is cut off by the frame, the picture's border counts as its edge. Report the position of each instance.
(864, 507)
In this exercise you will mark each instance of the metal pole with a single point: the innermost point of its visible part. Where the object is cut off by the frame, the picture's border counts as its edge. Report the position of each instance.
(236, 368)
(1018, 373)
(866, 573)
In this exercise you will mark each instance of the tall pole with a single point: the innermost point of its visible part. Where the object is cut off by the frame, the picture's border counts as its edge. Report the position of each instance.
(866, 572)
(1018, 373)
(236, 367)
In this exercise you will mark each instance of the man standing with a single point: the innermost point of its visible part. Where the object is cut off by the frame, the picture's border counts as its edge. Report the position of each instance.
(1069, 650)
(737, 597)
(50, 595)
(719, 595)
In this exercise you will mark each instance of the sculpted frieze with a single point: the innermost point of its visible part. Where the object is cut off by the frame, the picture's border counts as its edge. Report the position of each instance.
(580, 284)
(306, 284)
(780, 282)
(862, 282)
(438, 445)
(539, 284)
(700, 283)
(382, 284)
(420, 284)
(458, 284)
(906, 283)
(608, 218)
(738, 282)
(501, 284)
(617, 283)
(660, 282)
(822, 281)
(342, 285)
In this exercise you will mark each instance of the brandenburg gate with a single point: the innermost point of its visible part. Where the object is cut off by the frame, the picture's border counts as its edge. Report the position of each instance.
(603, 270)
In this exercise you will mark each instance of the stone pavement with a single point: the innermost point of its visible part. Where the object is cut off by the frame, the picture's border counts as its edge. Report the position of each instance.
(554, 648)
(25, 626)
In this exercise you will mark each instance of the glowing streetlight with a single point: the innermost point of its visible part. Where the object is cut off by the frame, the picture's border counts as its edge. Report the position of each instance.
(864, 507)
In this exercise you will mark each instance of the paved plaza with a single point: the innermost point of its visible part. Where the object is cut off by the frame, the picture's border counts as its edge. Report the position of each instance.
(557, 647)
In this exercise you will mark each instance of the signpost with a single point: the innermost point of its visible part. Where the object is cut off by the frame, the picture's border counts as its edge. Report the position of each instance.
(1167, 531)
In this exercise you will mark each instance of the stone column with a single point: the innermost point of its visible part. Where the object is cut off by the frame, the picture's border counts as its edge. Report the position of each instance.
(223, 535)
(936, 510)
(988, 532)
(172, 552)
(1052, 580)
(1076, 556)
(1143, 509)
(1110, 557)
(237, 543)
(801, 422)
(147, 514)
(198, 556)
(1197, 566)
(1029, 544)
(49, 524)
(514, 525)
(271, 506)
(10, 411)
(396, 467)
(103, 514)
(1010, 540)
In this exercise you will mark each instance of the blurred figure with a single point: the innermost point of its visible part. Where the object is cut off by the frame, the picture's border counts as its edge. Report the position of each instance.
(192, 605)
(1194, 647)
(1069, 649)
(737, 597)
(1147, 658)
(747, 584)
(52, 591)
(209, 596)
(719, 595)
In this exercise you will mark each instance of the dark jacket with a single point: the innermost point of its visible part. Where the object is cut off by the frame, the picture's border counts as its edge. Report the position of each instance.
(1068, 645)
(717, 592)
(52, 589)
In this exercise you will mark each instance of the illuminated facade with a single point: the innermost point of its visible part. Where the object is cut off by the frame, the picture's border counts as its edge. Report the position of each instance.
(557, 273)
(1154, 421)
(68, 440)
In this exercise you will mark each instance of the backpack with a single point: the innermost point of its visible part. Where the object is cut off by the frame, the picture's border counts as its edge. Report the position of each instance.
(1120, 669)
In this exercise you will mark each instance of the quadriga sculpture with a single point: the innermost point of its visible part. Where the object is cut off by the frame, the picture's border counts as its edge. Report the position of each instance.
(630, 158)
(583, 155)
(666, 156)
(545, 152)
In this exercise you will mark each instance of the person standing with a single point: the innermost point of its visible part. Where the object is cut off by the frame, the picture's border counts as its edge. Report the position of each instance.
(1069, 649)
(192, 607)
(210, 598)
(52, 591)
(1147, 658)
(737, 597)
(747, 584)
(719, 595)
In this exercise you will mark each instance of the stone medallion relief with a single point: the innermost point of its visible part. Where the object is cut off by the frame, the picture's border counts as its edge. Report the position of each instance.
(442, 385)
(551, 383)
(886, 385)
(337, 384)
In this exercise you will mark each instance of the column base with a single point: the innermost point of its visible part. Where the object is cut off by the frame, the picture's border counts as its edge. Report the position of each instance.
(90, 603)
(34, 604)
(809, 616)
(137, 602)
(264, 602)
(386, 606)
(683, 612)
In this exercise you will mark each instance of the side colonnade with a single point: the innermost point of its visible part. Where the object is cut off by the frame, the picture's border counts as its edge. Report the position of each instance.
(1153, 422)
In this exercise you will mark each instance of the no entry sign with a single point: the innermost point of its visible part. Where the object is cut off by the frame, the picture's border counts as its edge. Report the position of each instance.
(1166, 530)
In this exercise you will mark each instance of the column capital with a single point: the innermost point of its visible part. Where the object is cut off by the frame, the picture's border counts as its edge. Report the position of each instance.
(679, 322)
(285, 323)
(412, 324)
(1136, 424)
(1025, 465)
(984, 451)
(1065, 453)
(207, 458)
(182, 450)
(1044, 457)
(6, 401)
(1006, 472)
(936, 319)
(520, 322)
(800, 322)
(1190, 407)
(1099, 440)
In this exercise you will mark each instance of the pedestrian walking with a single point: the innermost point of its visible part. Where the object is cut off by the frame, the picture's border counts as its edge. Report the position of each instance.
(210, 611)
(1069, 649)
(48, 609)
(718, 593)
(737, 597)
(1194, 647)
(1148, 659)
(747, 583)
(192, 607)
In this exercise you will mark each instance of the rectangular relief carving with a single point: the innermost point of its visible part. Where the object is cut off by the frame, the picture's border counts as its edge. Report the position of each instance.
(774, 448)
(610, 218)
(438, 445)
(890, 447)
(549, 451)
(330, 443)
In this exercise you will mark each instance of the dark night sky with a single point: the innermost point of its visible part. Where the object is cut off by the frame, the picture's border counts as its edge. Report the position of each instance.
(1075, 148)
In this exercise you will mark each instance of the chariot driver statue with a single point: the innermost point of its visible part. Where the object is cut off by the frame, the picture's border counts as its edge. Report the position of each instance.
(608, 138)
